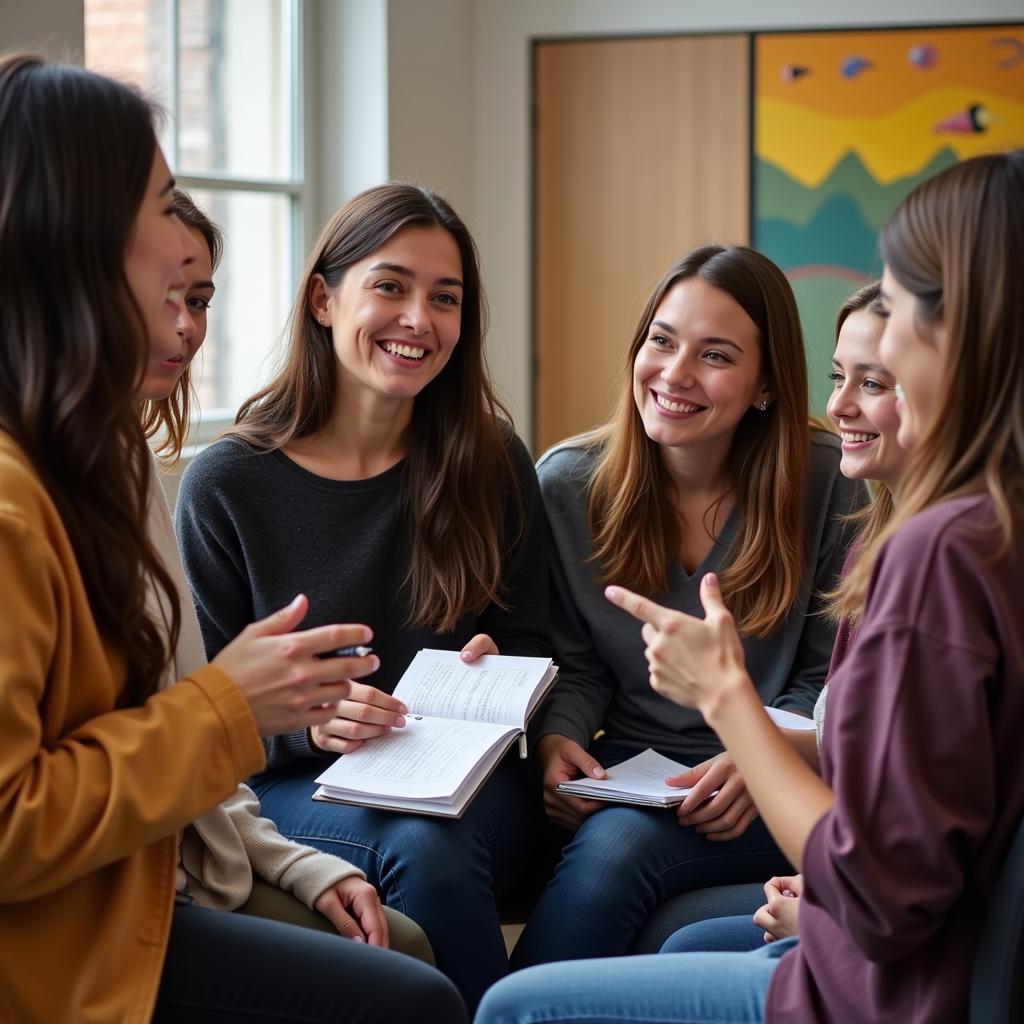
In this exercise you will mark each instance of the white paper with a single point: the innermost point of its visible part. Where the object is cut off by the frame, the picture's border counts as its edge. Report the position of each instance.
(428, 759)
(789, 720)
(641, 778)
(491, 689)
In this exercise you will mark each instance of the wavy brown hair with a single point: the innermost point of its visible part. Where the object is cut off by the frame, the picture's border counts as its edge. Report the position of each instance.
(635, 530)
(76, 151)
(874, 517)
(168, 418)
(458, 474)
(956, 243)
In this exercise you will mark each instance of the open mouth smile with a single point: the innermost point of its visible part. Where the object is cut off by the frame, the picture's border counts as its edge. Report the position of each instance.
(402, 352)
(674, 407)
(853, 440)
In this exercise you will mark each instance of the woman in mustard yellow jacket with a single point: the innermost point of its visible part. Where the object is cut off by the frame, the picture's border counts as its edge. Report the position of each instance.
(103, 764)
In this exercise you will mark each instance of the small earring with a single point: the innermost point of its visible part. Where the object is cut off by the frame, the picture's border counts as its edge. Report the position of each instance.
(321, 319)
(764, 405)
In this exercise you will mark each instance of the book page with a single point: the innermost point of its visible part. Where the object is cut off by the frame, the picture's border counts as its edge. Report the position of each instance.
(642, 776)
(790, 720)
(493, 688)
(430, 758)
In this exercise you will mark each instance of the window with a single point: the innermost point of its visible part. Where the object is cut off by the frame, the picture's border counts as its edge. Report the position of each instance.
(228, 74)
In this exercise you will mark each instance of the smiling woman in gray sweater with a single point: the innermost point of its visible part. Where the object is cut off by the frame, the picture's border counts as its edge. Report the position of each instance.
(378, 475)
(709, 463)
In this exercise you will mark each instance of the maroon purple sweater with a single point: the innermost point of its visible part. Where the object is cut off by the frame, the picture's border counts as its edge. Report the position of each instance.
(922, 749)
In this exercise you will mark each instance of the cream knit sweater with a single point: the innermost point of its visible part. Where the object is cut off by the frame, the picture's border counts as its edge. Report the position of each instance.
(221, 851)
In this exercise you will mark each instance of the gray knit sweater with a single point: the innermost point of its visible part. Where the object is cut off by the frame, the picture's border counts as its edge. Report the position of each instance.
(603, 680)
(257, 529)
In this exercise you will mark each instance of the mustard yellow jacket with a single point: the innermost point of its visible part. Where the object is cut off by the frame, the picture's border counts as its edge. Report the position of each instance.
(91, 799)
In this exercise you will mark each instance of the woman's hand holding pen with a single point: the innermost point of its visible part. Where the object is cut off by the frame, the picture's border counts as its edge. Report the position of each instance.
(367, 712)
(288, 686)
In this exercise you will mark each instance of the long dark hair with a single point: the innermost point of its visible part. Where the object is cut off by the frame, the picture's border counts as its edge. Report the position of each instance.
(635, 531)
(168, 418)
(458, 473)
(956, 243)
(76, 151)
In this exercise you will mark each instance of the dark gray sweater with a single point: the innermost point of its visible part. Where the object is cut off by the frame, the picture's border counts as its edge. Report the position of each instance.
(257, 529)
(603, 680)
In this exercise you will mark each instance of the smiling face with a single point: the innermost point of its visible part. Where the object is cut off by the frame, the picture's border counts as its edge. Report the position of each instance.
(159, 247)
(699, 370)
(915, 355)
(863, 403)
(396, 316)
(163, 373)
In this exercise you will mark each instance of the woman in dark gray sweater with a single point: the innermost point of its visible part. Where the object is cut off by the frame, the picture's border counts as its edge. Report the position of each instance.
(708, 464)
(378, 475)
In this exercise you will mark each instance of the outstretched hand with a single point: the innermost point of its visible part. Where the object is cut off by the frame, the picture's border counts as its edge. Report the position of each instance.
(690, 659)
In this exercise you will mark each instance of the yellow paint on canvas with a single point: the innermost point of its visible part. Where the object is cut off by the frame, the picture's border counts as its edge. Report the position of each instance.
(967, 57)
(807, 145)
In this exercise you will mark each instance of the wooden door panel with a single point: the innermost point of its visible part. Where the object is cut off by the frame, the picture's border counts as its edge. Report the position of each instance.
(641, 151)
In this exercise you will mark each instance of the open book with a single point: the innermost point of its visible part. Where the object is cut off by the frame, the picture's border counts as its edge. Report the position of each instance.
(640, 780)
(462, 718)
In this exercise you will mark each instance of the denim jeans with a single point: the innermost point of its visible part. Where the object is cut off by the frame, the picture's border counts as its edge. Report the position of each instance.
(621, 865)
(224, 968)
(445, 874)
(692, 988)
(717, 935)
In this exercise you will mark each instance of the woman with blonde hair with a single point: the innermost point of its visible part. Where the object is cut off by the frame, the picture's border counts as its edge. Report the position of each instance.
(378, 472)
(708, 462)
(922, 787)
(862, 411)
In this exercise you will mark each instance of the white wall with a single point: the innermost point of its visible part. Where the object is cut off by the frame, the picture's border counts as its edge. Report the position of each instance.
(439, 91)
(430, 96)
(56, 28)
(346, 103)
(504, 31)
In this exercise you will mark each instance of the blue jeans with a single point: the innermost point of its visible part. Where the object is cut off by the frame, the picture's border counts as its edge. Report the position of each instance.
(716, 935)
(696, 988)
(223, 968)
(443, 873)
(620, 866)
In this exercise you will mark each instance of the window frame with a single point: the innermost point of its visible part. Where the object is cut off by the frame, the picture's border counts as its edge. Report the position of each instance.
(208, 423)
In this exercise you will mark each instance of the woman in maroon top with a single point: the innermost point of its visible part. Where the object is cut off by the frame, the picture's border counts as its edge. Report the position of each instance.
(922, 783)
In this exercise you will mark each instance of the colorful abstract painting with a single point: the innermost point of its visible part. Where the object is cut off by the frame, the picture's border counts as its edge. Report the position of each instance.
(845, 124)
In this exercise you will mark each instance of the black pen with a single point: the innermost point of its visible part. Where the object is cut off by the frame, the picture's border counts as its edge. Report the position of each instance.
(347, 652)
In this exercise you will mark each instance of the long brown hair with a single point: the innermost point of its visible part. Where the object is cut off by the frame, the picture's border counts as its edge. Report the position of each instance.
(76, 151)
(956, 243)
(874, 517)
(636, 531)
(458, 474)
(168, 417)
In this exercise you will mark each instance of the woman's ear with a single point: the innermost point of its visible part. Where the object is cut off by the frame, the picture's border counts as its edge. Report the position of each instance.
(319, 300)
(765, 397)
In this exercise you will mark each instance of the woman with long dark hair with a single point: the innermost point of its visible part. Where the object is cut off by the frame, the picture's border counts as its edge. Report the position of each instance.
(118, 742)
(379, 473)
